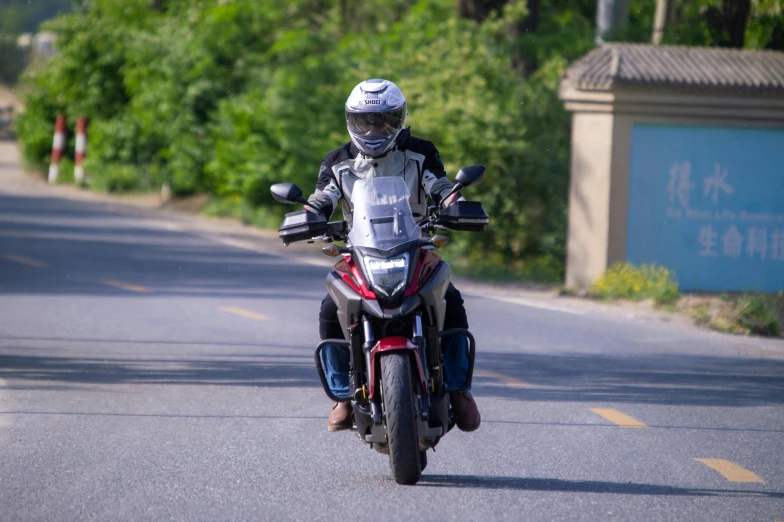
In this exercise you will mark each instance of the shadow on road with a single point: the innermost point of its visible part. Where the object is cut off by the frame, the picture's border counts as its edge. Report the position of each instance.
(653, 378)
(33, 371)
(156, 342)
(581, 486)
(81, 244)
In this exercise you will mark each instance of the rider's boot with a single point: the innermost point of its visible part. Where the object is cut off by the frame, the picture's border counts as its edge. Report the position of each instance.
(340, 417)
(467, 415)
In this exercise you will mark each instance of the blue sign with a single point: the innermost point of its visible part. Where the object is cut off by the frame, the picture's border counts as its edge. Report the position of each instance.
(708, 203)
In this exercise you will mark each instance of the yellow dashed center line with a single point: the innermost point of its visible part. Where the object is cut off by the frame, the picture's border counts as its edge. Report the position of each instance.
(24, 260)
(245, 313)
(619, 418)
(730, 470)
(126, 286)
(509, 381)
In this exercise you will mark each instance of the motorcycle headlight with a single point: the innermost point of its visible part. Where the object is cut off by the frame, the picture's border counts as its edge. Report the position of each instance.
(388, 276)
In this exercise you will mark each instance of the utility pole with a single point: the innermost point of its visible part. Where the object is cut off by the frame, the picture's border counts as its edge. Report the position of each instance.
(611, 17)
(659, 20)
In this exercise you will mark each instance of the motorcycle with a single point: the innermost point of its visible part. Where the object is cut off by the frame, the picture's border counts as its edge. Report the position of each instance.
(389, 287)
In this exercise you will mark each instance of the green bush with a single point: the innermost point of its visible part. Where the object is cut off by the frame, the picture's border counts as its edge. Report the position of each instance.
(759, 314)
(240, 209)
(114, 177)
(227, 97)
(625, 281)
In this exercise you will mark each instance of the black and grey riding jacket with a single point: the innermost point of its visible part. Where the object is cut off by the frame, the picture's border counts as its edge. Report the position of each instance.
(416, 160)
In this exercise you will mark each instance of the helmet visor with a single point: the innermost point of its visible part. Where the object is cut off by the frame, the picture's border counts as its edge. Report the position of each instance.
(375, 125)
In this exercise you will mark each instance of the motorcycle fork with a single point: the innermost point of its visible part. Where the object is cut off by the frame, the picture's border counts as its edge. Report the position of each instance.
(419, 341)
(357, 375)
(364, 356)
(361, 356)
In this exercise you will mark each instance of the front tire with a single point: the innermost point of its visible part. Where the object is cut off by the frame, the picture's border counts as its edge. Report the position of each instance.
(398, 396)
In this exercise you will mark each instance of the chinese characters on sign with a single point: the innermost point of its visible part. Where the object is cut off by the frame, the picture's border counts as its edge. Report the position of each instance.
(707, 203)
(717, 182)
(680, 184)
(756, 238)
(732, 240)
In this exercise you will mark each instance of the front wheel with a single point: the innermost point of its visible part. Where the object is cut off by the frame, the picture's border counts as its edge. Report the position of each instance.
(398, 396)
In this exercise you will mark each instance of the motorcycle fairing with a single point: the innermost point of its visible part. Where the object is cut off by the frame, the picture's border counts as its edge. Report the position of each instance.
(350, 298)
(349, 272)
(425, 265)
(348, 301)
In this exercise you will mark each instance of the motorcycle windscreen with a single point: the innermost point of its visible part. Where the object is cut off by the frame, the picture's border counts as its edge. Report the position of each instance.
(382, 214)
(335, 361)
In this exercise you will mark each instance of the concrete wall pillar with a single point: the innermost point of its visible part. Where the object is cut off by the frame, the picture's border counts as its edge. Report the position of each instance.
(589, 197)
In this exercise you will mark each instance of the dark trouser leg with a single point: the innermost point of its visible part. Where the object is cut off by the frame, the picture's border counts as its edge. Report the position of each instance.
(329, 326)
(455, 348)
(456, 362)
(455, 310)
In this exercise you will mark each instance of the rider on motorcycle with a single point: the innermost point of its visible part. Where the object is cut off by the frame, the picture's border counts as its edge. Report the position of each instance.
(380, 146)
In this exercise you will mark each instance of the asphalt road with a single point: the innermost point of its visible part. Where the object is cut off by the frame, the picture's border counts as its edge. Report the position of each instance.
(149, 371)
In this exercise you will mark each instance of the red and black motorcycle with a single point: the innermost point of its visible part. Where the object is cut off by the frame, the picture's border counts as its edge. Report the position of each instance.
(396, 364)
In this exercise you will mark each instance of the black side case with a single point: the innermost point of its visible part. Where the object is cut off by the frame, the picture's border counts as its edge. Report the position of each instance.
(468, 216)
(302, 225)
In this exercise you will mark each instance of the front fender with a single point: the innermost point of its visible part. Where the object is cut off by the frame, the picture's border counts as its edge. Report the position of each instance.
(394, 344)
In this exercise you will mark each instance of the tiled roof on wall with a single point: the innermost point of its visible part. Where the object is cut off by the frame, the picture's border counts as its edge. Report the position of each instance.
(680, 68)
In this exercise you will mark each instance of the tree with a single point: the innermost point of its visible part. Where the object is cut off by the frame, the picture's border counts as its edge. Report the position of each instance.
(728, 24)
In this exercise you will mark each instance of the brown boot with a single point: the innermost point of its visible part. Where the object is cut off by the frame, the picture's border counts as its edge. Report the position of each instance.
(340, 418)
(466, 413)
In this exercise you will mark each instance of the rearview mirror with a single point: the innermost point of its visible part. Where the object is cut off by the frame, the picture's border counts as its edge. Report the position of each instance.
(287, 193)
(468, 176)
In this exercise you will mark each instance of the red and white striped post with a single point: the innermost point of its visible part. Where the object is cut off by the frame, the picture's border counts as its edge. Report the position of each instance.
(57, 148)
(81, 144)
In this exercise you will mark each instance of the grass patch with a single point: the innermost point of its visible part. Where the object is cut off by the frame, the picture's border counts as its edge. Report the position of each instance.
(727, 325)
(626, 281)
(237, 208)
(539, 270)
(700, 314)
(66, 172)
(116, 178)
(757, 314)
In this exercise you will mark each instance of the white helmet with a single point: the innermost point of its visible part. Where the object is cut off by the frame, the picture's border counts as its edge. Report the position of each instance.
(375, 115)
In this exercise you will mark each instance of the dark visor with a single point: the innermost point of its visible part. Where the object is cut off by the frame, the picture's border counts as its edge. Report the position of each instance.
(375, 124)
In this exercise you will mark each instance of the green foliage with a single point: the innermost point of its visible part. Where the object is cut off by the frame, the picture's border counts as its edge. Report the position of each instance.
(240, 209)
(625, 281)
(494, 268)
(66, 174)
(227, 97)
(28, 14)
(727, 325)
(759, 314)
(700, 314)
(116, 177)
(690, 24)
(12, 58)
